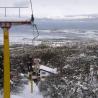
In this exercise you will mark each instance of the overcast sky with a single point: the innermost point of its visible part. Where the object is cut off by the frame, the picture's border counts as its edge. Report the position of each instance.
(56, 8)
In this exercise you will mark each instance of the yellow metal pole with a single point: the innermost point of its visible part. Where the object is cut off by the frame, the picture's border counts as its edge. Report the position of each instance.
(31, 82)
(31, 86)
(6, 63)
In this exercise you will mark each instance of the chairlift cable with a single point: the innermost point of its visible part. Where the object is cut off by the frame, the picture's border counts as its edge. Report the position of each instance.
(32, 22)
(32, 17)
(31, 6)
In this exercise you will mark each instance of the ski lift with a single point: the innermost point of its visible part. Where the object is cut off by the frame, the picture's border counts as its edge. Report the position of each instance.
(5, 23)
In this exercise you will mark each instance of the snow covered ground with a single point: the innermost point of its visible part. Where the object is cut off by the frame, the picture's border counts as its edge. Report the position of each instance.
(27, 93)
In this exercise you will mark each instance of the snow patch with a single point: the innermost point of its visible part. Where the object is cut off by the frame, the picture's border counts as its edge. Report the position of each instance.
(48, 69)
(15, 19)
(27, 93)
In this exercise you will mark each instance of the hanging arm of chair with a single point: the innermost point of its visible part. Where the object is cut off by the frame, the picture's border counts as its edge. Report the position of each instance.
(32, 19)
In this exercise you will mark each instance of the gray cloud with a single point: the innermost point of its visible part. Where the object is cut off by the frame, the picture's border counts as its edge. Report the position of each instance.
(59, 8)
(13, 3)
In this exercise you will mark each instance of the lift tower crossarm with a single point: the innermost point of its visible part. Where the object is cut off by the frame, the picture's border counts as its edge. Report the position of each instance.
(18, 19)
(5, 8)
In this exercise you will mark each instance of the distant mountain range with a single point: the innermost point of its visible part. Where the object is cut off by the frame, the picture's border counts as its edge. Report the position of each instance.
(85, 27)
(69, 22)
(71, 17)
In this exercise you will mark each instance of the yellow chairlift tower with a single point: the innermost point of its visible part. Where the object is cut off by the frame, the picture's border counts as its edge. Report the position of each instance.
(6, 23)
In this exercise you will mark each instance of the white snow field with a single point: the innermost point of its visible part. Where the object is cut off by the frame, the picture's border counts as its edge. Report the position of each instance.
(15, 19)
(27, 93)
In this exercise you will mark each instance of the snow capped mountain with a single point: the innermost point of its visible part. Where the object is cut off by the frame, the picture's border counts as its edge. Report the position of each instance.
(71, 17)
(81, 17)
